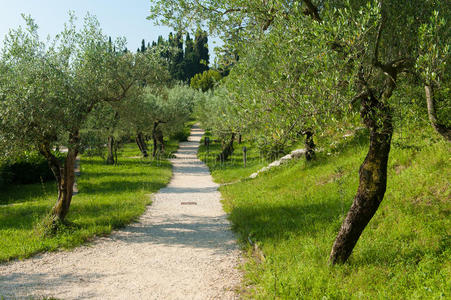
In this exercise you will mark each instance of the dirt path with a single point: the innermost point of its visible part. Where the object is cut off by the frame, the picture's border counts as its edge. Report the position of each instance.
(182, 248)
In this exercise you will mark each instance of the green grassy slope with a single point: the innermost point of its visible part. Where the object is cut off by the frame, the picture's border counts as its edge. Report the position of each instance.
(232, 169)
(294, 212)
(110, 197)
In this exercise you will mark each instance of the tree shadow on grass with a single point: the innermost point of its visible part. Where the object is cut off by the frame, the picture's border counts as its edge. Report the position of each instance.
(274, 222)
(128, 162)
(115, 186)
(94, 174)
(22, 216)
(26, 192)
(86, 215)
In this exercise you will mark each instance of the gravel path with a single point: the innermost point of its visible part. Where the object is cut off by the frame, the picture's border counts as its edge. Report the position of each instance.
(182, 248)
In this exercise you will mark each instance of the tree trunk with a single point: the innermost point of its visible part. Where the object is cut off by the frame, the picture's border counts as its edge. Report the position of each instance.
(158, 142)
(141, 144)
(65, 187)
(155, 146)
(110, 159)
(154, 137)
(227, 151)
(157, 136)
(161, 140)
(239, 139)
(116, 146)
(440, 128)
(372, 175)
(309, 145)
(65, 177)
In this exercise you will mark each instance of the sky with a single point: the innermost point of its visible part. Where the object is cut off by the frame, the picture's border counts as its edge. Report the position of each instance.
(117, 18)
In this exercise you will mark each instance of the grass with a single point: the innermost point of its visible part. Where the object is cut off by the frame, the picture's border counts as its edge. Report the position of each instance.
(294, 212)
(232, 169)
(109, 197)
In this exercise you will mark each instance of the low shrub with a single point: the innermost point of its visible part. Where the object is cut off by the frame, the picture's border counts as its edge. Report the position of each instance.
(181, 136)
(29, 167)
(5, 175)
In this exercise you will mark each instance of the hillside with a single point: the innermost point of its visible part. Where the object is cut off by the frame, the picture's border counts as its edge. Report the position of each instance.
(294, 212)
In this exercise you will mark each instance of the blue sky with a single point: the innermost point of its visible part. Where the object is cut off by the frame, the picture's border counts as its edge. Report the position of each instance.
(117, 18)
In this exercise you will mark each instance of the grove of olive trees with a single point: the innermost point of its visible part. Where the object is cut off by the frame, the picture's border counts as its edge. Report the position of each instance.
(82, 90)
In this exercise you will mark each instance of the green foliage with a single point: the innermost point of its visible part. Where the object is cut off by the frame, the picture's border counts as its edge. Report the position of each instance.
(110, 197)
(434, 43)
(183, 134)
(173, 107)
(205, 81)
(216, 111)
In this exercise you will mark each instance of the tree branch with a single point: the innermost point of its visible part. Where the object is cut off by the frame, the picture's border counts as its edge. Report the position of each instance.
(122, 96)
(376, 61)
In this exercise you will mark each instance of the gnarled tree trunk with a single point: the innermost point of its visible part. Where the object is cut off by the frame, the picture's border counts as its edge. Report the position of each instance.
(228, 149)
(155, 145)
(158, 138)
(440, 128)
(65, 187)
(158, 142)
(377, 117)
(65, 177)
(141, 144)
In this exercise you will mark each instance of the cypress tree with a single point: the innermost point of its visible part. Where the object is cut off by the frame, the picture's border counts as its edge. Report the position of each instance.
(189, 45)
(143, 46)
(176, 67)
(201, 51)
(189, 61)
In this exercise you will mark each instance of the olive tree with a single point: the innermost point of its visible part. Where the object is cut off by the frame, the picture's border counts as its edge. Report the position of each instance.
(48, 90)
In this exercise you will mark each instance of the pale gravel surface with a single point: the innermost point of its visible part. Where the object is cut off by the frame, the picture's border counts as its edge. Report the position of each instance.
(174, 252)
